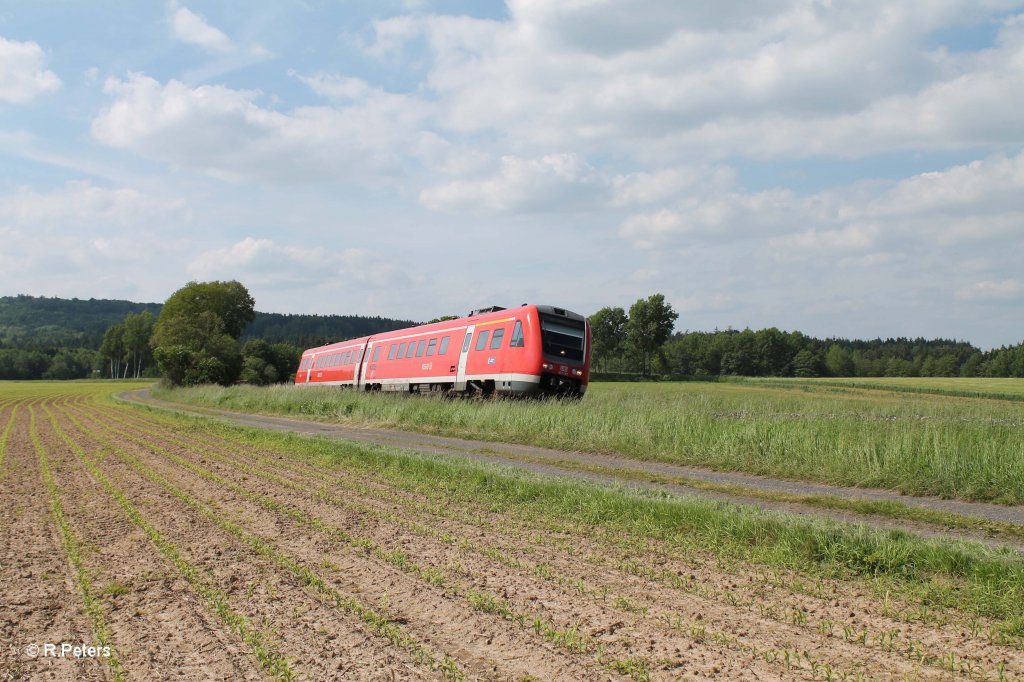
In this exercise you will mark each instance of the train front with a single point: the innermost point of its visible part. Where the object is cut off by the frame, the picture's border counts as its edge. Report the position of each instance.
(565, 352)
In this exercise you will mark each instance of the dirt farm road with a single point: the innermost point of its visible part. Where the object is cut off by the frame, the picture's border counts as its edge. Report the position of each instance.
(671, 478)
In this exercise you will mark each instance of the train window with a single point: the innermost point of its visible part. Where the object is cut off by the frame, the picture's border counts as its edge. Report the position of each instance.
(499, 334)
(419, 347)
(431, 347)
(517, 336)
(391, 351)
(465, 344)
(481, 339)
(376, 353)
(444, 345)
(401, 350)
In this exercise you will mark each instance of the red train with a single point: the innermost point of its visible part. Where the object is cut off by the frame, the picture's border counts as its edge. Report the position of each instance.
(533, 349)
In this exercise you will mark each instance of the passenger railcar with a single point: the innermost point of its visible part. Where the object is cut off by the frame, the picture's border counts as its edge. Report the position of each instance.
(533, 349)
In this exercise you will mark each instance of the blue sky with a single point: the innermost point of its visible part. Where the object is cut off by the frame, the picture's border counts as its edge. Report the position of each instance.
(843, 169)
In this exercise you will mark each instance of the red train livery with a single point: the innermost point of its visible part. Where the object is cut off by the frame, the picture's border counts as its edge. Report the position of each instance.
(533, 349)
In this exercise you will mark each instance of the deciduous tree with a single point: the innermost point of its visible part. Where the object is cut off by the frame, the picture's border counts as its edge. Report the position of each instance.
(195, 339)
(650, 323)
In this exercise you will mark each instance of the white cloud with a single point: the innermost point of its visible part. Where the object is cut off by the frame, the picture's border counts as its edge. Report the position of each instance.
(667, 82)
(84, 206)
(194, 29)
(666, 183)
(553, 182)
(226, 133)
(336, 86)
(1001, 290)
(22, 72)
(84, 240)
(975, 202)
(717, 216)
(265, 264)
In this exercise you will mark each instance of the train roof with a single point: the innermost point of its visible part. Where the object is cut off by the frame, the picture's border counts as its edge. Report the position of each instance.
(476, 316)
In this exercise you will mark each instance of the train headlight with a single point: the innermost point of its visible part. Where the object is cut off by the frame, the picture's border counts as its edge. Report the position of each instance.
(547, 365)
(578, 372)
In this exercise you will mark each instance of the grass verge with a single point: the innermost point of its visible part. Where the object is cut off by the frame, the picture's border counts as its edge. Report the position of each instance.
(921, 445)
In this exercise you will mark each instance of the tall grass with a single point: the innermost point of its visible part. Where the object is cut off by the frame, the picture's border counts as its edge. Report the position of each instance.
(966, 387)
(926, 445)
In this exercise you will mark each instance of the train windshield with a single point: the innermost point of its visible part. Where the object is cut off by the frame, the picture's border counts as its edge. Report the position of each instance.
(563, 338)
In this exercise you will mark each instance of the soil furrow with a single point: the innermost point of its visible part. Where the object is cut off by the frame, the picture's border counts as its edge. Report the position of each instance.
(634, 618)
(470, 636)
(41, 604)
(160, 626)
(321, 643)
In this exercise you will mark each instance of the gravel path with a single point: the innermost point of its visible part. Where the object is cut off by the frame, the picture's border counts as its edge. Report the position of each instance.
(550, 462)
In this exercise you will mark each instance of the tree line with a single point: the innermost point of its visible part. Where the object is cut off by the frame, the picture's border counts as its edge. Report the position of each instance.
(209, 332)
(643, 342)
(54, 338)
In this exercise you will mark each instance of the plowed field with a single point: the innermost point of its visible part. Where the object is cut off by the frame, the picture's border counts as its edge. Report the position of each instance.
(194, 551)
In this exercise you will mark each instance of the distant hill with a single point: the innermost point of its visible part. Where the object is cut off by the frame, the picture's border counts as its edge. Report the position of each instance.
(40, 323)
(314, 330)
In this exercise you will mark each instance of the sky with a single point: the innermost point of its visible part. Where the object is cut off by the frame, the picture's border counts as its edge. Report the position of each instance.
(851, 169)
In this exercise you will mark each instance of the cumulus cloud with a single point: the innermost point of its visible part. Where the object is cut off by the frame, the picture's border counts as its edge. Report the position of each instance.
(23, 75)
(194, 29)
(226, 132)
(84, 205)
(973, 202)
(336, 86)
(553, 182)
(81, 239)
(267, 264)
(717, 217)
(1001, 290)
(666, 81)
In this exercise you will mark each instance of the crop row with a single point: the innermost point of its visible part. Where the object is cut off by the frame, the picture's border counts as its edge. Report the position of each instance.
(306, 575)
(478, 598)
(886, 641)
(73, 550)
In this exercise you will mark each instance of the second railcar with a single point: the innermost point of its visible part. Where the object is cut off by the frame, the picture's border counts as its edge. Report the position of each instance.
(533, 349)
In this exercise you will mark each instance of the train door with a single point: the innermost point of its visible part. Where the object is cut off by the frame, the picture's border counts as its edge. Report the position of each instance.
(460, 377)
(359, 378)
